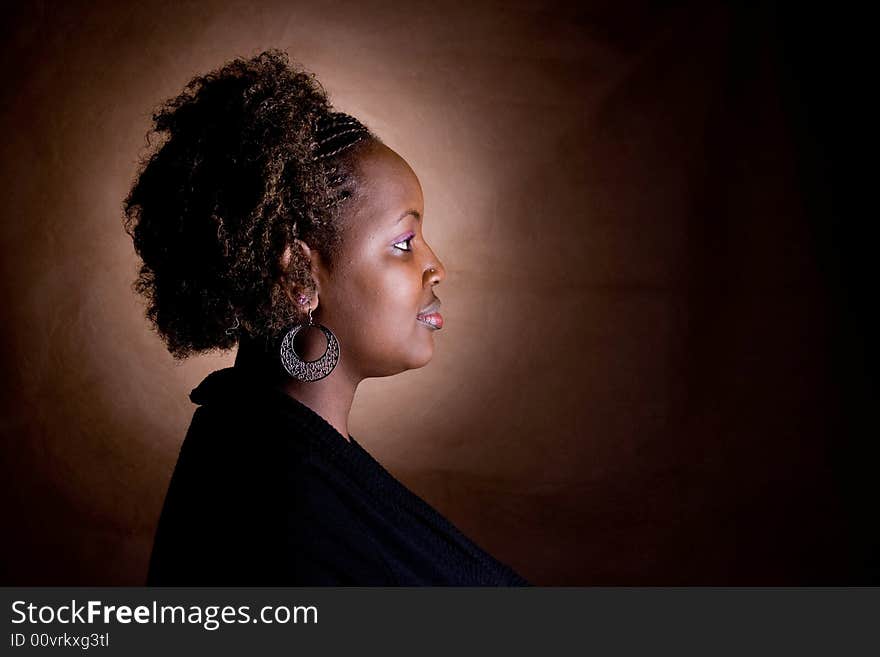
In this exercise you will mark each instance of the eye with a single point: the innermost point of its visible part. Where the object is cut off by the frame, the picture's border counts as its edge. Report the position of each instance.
(407, 241)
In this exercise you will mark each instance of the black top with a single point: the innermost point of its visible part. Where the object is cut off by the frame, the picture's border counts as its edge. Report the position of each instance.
(267, 492)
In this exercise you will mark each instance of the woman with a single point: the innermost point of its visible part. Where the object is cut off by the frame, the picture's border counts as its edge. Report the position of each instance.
(266, 219)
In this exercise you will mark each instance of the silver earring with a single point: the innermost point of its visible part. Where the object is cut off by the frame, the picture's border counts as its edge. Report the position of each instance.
(309, 370)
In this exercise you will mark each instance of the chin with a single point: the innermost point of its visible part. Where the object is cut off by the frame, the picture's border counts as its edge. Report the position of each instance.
(419, 363)
(422, 358)
(410, 361)
(412, 352)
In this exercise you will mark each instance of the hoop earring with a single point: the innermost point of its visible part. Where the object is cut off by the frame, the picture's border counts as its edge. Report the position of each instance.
(309, 370)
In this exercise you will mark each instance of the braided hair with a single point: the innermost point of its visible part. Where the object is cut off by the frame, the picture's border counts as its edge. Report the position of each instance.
(245, 160)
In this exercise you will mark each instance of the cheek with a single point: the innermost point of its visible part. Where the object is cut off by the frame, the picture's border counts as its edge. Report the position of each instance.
(393, 299)
(378, 312)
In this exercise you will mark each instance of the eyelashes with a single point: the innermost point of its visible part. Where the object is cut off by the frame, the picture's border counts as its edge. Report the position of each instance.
(406, 240)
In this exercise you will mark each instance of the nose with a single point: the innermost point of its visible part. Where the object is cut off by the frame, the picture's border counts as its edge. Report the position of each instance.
(435, 272)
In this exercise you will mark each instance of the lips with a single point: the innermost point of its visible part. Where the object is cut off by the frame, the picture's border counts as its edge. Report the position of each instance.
(430, 317)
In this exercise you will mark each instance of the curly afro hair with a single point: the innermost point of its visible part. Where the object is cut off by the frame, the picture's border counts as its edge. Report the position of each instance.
(246, 159)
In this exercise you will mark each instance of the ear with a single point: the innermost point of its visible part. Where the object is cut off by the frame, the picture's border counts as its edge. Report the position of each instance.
(314, 260)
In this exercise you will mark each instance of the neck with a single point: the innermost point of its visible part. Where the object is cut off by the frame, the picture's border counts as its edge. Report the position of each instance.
(330, 397)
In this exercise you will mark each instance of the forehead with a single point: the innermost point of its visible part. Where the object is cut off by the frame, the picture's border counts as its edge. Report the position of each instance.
(387, 186)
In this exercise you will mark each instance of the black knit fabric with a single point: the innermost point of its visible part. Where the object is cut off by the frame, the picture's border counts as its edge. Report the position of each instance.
(266, 492)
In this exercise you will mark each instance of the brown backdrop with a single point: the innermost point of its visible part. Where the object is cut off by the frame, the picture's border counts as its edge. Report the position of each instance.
(636, 383)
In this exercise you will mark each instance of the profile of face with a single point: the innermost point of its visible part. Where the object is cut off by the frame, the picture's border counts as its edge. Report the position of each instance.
(383, 276)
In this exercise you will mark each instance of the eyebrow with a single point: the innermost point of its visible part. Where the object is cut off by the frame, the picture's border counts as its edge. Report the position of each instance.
(414, 213)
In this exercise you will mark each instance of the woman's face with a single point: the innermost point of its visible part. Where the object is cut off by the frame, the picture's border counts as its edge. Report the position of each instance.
(384, 273)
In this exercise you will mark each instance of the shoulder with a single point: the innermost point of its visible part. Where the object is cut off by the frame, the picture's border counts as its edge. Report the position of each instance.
(259, 485)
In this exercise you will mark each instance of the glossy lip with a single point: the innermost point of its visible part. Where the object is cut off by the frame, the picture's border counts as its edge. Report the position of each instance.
(431, 310)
